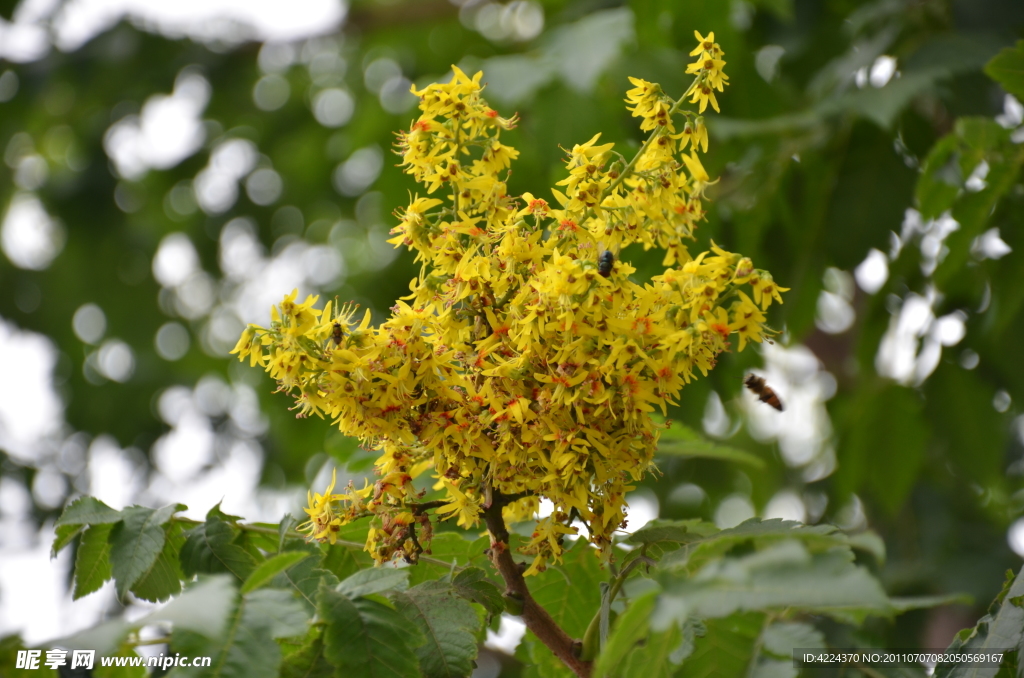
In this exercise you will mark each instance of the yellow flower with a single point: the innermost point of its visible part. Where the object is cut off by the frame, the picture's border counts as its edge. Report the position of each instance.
(323, 523)
(514, 365)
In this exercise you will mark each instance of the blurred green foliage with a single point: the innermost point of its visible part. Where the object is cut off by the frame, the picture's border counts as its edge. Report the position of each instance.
(818, 166)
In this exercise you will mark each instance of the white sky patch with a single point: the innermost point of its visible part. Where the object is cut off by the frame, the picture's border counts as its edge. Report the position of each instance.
(733, 510)
(216, 185)
(167, 131)
(643, 508)
(30, 409)
(787, 505)
(29, 236)
(36, 602)
(872, 273)
(912, 346)
(215, 21)
(508, 637)
(989, 245)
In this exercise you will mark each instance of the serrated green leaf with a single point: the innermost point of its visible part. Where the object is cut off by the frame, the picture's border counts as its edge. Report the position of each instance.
(1001, 629)
(308, 662)
(92, 562)
(374, 580)
(268, 569)
(681, 531)
(1007, 68)
(473, 585)
(136, 542)
(163, 579)
(62, 536)
(449, 625)
(366, 638)
(210, 548)
(682, 441)
(88, 511)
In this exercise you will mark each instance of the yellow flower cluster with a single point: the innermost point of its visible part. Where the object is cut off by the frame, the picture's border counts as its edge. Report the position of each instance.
(525, 363)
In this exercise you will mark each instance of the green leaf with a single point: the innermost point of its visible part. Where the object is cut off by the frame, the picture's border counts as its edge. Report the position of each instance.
(1001, 629)
(630, 628)
(211, 548)
(653, 657)
(885, 446)
(974, 210)
(941, 178)
(62, 536)
(163, 579)
(451, 547)
(571, 592)
(92, 563)
(682, 441)
(449, 624)
(271, 567)
(473, 585)
(539, 661)
(727, 647)
(681, 531)
(903, 604)
(374, 580)
(761, 533)
(308, 662)
(279, 610)
(366, 638)
(89, 511)
(968, 429)
(305, 578)
(783, 575)
(1007, 68)
(780, 638)
(79, 513)
(203, 608)
(136, 543)
(246, 648)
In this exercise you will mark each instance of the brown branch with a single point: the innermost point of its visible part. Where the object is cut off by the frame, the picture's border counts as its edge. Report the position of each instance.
(534, 616)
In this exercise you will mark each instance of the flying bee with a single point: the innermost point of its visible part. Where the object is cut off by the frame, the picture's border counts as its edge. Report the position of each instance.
(337, 334)
(605, 263)
(763, 391)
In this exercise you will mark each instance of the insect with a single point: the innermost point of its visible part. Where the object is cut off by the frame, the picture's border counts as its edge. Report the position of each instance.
(763, 391)
(605, 263)
(337, 334)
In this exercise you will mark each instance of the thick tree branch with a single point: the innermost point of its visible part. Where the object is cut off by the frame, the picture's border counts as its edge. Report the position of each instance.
(534, 616)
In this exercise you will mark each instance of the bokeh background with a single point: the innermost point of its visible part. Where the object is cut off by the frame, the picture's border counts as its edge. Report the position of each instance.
(170, 170)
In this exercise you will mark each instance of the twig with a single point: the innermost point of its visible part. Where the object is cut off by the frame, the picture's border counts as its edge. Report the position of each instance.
(534, 616)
